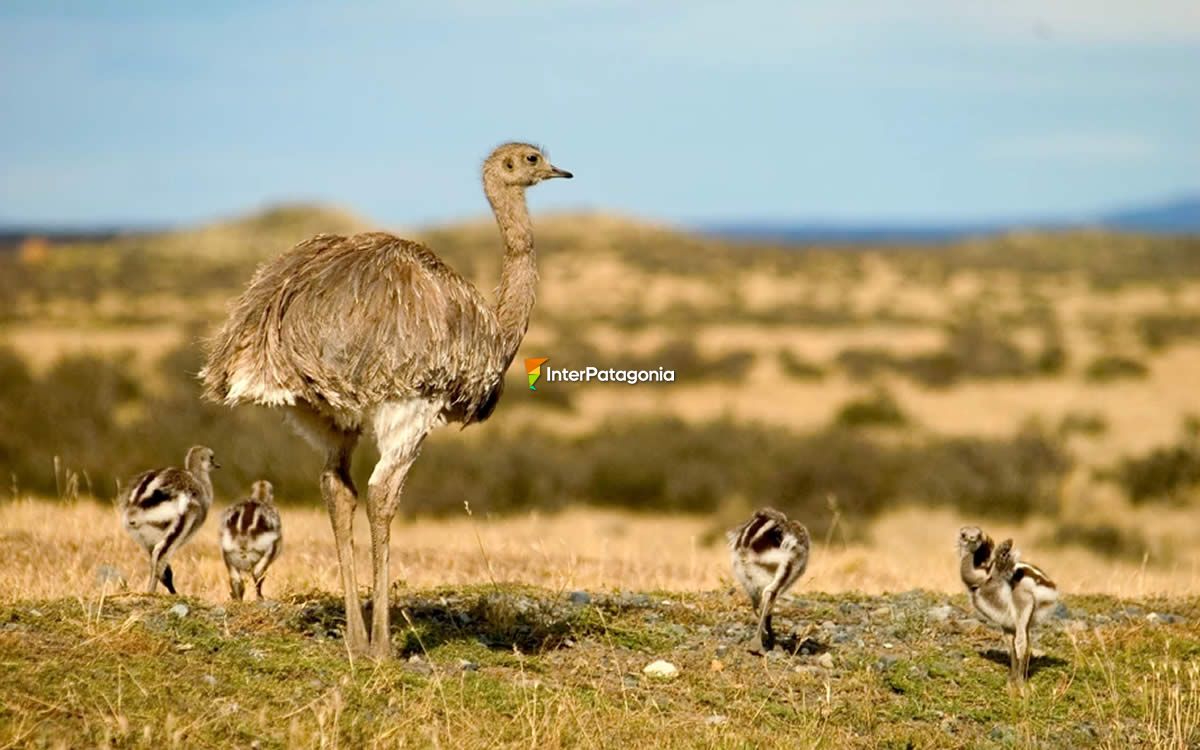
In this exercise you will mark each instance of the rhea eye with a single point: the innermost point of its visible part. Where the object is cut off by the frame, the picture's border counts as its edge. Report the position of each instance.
(532, 158)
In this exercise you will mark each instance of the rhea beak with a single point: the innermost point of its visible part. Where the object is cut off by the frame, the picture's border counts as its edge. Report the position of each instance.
(215, 465)
(556, 172)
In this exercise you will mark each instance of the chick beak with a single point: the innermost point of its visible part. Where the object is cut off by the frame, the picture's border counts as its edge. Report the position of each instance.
(556, 172)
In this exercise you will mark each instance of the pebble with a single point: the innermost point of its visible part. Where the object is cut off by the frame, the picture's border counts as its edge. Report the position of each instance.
(825, 660)
(209, 680)
(661, 669)
(1061, 612)
(941, 614)
(579, 598)
(1156, 618)
(180, 610)
(467, 665)
(716, 720)
(886, 661)
(217, 612)
(881, 612)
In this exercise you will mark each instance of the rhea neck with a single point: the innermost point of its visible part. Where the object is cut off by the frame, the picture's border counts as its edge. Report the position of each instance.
(518, 273)
(198, 469)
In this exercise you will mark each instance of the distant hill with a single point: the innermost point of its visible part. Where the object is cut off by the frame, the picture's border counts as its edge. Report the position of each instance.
(1180, 216)
(264, 232)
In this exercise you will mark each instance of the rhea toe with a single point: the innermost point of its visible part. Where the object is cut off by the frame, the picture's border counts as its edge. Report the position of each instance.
(251, 537)
(1007, 593)
(164, 508)
(769, 553)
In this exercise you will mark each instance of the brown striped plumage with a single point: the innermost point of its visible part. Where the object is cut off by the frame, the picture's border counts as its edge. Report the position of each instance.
(1007, 593)
(251, 537)
(165, 507)
(769, 553)
(373, 331)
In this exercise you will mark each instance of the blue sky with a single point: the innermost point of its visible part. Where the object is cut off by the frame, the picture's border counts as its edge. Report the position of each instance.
(953, 110)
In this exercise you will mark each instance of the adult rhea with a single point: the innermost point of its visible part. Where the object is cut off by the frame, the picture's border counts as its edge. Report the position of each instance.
(374, 331)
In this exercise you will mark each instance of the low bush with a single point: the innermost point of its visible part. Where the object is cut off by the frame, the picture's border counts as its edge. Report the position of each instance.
(661, 464)
(879, 409)
(799, 368)
(1109, 367)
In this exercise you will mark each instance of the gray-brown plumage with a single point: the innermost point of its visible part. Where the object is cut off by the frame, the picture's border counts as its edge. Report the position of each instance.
(769, 553)
(1007, 593)
(373, 331)
(251, 537)
(165, 507)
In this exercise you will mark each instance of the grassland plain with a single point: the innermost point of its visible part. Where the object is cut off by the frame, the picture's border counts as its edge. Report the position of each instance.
(1039, 384)
(557, 660)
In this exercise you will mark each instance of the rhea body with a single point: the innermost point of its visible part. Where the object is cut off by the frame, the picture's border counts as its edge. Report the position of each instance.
(251, 537)
(375, 333)
(164, 508)
(769, 553)
(1009, 594)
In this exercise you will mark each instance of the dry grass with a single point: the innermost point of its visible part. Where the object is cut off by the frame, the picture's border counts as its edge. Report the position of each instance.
(53, 550)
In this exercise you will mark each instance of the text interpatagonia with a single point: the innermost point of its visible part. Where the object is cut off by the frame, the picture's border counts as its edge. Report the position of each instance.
(608, 375)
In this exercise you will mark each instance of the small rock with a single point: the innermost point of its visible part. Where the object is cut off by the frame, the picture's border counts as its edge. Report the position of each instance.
(1003, 733)
(217, 612)
(828, 625)
(35, 613)
(841, 635)
(209, 680)
(1060, 612)
(180, 610)
(1163, 618)
(886, 661)
(579, 598)
(416, 664)
(887, 645)
(722, 649)
(940, 614)
(629, 680)
(467, 665)
(825, 660)
(881, 612)
(661, 669)
(716, 720)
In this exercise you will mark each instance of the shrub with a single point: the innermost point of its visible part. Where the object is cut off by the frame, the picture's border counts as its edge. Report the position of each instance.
(1109, 367)
(798, 367)
(1102, 538)
(879, 409)
(1161, 330)
(1092, 424)
(1162, 473)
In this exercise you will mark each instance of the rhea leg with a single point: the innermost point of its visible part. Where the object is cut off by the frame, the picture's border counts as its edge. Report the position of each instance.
(236, 587)
(1021, 645)
(764, 639)
(159, 570)
(337, 488)
(387, 483)
(259, 572)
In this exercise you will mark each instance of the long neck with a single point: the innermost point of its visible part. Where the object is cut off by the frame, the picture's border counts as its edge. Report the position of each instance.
(518, 274)
(202, 476)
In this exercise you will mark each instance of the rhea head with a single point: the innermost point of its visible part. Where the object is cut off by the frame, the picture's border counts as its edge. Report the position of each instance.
(520, 165)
